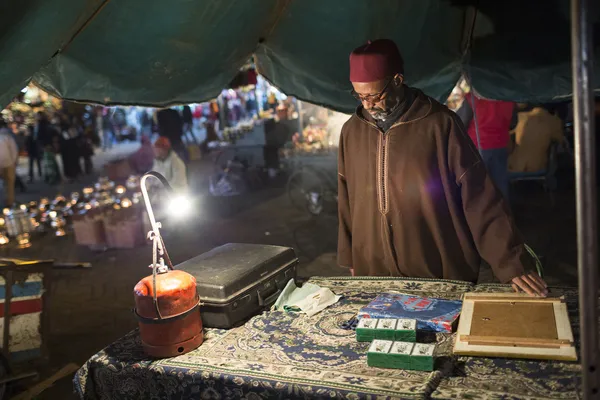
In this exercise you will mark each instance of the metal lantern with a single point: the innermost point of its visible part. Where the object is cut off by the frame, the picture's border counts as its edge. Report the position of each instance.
(126, 203)
(58, 223)
(18, 224)
(137, 198)
(3, 238)
(44, 204)
(74, 198)
(87, 192)
(133, 183)
(120, 190)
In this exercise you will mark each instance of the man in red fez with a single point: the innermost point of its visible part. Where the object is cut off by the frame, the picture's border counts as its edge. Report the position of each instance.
(415, 198)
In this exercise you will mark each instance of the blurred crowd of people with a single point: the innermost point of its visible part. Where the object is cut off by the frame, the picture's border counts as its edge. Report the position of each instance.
(60, 146)
(60, 136)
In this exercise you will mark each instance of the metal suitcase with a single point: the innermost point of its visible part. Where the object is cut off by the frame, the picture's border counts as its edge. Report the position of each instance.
(237, 281)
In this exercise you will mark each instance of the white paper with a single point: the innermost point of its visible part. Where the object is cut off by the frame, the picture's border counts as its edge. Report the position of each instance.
(315, 302)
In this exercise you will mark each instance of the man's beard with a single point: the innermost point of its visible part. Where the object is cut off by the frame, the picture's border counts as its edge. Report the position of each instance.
(379, 114)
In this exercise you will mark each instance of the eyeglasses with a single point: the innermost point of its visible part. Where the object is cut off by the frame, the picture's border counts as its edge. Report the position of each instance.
(371, 98)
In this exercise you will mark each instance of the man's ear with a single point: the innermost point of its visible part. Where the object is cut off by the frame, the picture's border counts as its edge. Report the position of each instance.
(398, 79)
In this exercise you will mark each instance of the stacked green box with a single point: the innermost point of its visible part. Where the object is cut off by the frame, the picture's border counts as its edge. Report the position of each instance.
(378, 354)
(421, 358)
(365, 330)
(386, 329)
(406, 330)
(399, 355)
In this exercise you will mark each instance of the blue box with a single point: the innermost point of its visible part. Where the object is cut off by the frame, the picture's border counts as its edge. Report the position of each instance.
(438, 315)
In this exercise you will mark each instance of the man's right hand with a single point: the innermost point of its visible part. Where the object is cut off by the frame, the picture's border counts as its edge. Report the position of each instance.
(530, 283)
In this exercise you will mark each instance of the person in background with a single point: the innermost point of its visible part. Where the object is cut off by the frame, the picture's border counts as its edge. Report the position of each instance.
(37, 135)
(9, 155)
(141, 161)
(14, 133)
(170, 126)
(145, 122)
(494, 120)
(188, 123)
(535, 132)
(70, 149)
(168, 164)
(50, 166)
(251, 104)
(119, 122)
(414, 196)
(103, 128)
(86, 150)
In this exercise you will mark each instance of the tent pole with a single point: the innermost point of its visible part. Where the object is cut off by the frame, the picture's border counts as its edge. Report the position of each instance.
(585, 164)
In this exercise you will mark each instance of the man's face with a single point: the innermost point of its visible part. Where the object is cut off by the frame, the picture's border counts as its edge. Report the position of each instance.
(160, 153)
(378, 98)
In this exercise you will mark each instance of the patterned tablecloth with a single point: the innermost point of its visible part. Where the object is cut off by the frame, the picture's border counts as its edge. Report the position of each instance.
(281, 355)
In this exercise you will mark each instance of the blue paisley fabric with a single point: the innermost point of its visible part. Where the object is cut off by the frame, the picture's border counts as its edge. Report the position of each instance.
(280, 355)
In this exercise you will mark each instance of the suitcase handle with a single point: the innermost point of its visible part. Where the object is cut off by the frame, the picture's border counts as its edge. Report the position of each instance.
(269, 299)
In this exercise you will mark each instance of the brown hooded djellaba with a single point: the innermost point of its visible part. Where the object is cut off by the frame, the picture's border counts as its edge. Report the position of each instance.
(417, 201)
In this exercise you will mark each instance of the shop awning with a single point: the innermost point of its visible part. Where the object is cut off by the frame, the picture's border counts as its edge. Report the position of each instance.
(180, 51)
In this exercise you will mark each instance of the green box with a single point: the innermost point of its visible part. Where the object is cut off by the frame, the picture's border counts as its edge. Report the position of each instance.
(406, 330)
(403, 330)
(365, 330)
(377, 355)
(386, 329)
(422, 357)
(399, 354)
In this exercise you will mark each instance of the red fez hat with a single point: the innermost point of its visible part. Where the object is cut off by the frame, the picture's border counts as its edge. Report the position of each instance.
(163, 143)
(375, 61)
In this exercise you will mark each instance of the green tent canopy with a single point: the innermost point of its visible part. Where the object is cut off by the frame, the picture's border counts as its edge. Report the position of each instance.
(151, 52)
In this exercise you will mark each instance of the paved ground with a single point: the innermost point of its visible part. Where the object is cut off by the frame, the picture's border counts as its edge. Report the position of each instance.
(90, 308)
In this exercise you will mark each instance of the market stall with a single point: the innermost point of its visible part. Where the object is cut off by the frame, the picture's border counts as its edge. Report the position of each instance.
(492, 77)
(290, 355)
(90, 216)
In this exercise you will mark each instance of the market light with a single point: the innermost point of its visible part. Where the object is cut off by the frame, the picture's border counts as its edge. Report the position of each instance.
(181, 330)
(179, 206)
(120, 189)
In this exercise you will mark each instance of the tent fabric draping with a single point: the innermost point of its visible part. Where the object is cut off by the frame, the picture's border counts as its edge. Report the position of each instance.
(159, 53)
